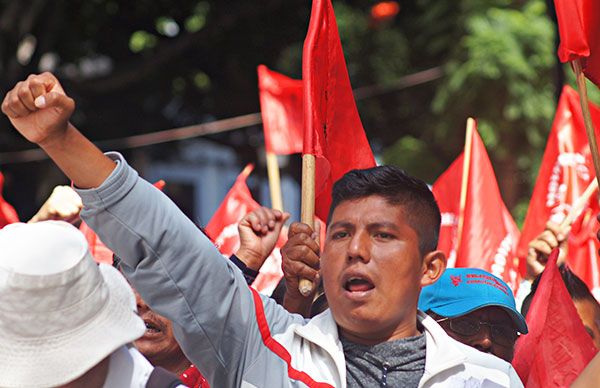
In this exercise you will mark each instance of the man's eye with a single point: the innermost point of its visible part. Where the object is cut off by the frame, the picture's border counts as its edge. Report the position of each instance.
(338, 235)
(505, 331)
(590, 332)
(384, 235)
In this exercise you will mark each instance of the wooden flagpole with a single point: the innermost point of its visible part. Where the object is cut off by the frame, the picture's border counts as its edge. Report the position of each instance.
(579, 204)
(465, 179)
(274, 181)
(587, 117)
(307, 213)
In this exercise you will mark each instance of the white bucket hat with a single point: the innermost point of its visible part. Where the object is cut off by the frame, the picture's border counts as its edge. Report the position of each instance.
(60, 313)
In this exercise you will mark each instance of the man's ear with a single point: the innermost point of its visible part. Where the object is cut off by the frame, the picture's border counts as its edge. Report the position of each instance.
(434, 265)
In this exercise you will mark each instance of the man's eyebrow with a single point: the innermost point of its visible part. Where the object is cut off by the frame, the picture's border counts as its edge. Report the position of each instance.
(341, 224)
(388, 225)
(373, 225)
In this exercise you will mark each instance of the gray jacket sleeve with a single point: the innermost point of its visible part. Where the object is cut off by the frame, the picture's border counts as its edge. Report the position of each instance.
(180, 274)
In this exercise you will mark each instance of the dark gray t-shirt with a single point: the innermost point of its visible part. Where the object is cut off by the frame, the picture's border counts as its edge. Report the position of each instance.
(399, 363)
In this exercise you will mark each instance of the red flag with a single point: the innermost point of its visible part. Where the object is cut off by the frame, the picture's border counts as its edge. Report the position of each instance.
(281, 111)
(566, 171)
(99, 251)
(557, 347)
(579, 30)
(489, 234)
(8, 215)
(222, 229)
(333, 131)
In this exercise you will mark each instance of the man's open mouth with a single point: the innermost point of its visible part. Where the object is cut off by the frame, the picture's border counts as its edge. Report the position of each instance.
(358, 284)
(152, 327)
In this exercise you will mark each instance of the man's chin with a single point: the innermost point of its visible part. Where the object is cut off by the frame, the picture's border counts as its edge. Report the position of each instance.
(148, 346)
(357, 321)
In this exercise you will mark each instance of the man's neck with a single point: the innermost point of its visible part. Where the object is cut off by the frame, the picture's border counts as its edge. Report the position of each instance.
(176, 365)
(405, 330)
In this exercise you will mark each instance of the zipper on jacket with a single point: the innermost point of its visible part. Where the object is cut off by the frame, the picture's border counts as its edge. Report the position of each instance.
(384, 370)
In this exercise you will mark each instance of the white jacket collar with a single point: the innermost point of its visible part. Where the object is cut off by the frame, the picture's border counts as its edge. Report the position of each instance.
(441, 351)
(323, 332)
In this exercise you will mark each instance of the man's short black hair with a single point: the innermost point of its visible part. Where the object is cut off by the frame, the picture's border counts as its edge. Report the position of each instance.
(397, 188)
(576, 287)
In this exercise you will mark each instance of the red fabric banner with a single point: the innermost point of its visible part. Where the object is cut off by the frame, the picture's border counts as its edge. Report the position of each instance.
(281, 111)
(8, 214)
(223, 230)
(557, 347)
(579, 30)
(333, 131)
(489, 234)
(566, 171)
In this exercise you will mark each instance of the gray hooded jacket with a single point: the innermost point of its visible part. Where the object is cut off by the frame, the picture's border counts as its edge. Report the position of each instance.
(235, 336)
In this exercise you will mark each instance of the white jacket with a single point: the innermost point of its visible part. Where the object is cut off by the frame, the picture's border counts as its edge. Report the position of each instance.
(316, 349)
(232, 334)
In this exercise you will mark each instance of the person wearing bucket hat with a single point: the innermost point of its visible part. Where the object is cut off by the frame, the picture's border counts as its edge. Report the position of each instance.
(476, 308)
(63, 319)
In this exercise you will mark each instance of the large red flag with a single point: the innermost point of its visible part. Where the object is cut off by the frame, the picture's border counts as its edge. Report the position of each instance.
(557, 347)
(566, 171)
(8, 215)
(489, 235)
(333, 131)
(579, 30)
(99, 251)
(281, 111)
(222, 229)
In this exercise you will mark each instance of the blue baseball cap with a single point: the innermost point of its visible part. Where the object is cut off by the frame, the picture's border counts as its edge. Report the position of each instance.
(462, 290)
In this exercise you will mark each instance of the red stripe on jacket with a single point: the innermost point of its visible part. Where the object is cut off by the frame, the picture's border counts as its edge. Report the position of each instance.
(277, 348)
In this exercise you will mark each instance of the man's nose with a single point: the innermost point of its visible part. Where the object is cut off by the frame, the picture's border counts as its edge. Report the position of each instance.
(483, 340)
(360, 246)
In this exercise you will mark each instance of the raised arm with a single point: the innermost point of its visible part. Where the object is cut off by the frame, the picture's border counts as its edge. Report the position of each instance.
(259, 231)
(176, 269)
(40, 110)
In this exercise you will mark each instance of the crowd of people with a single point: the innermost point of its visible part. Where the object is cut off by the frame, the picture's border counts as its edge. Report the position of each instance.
(385, 310)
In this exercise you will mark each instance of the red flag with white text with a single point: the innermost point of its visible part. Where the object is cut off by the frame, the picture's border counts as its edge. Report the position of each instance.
(579, 30)
(333, 131)
(281, 111)
(489, 234)
(8, 215)
(223, 230)
(557, 347)
(565, 172)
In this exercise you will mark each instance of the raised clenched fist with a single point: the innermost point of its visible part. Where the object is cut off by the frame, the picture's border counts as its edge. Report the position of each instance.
(39, 108)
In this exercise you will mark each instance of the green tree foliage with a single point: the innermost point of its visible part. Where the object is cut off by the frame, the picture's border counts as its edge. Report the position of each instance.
(499, 61)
